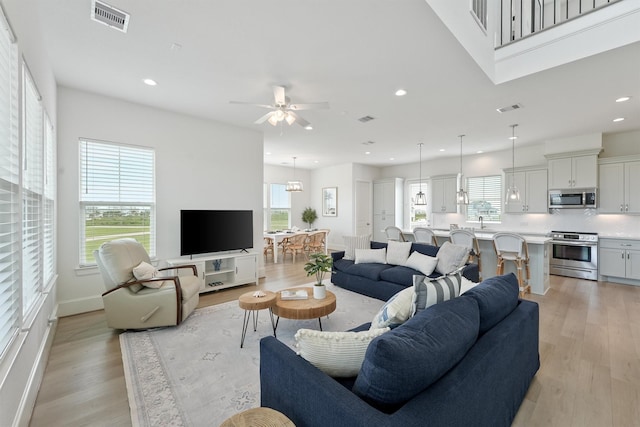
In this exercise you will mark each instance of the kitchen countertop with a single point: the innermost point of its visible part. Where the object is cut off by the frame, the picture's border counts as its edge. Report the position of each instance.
(531, 238)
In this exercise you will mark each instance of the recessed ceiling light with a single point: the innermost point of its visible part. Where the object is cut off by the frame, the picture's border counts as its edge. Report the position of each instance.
(316, 161)
(308, 127)
(268, 153)
(367, 152)
(513, 137)
(619, 119)
(479, 152)
(401, 92)
(150, 82)
(391, 158)
(442, 149)
(623, 99)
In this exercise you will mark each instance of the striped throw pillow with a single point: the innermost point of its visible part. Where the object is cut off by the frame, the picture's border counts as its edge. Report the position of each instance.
(428, 292)
(351, 243)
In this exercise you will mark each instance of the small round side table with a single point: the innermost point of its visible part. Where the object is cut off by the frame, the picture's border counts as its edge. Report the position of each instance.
(251, 305)
(258, 417)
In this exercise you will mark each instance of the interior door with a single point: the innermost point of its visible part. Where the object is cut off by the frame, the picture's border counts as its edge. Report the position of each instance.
(363, 208)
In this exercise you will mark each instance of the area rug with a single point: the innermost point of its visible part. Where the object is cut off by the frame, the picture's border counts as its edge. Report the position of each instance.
(196, 374)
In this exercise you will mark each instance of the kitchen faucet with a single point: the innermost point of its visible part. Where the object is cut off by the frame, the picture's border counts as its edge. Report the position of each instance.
(481, 219)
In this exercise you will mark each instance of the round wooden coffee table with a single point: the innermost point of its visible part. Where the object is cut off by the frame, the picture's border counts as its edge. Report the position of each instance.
(258, 417)
(309, 308)
(251, 304)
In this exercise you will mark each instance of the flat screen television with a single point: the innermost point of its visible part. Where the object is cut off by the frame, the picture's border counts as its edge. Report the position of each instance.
(205, 231)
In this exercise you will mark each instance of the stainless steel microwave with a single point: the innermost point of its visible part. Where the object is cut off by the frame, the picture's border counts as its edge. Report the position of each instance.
(573, 198)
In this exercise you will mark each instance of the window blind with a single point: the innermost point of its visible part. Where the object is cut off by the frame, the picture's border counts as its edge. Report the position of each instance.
(485, 198)
(9, 192)
(49, 220)
(117, 195)
(32, 188)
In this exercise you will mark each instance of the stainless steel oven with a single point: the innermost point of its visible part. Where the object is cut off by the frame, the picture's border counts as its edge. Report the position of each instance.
(574, 254)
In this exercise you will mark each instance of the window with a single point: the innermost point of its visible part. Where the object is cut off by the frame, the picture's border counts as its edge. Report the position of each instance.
(479, 12)
(117, 195)
(417, 214)
(49, 220)
(279, 209)
(485, 198)
(10, 239)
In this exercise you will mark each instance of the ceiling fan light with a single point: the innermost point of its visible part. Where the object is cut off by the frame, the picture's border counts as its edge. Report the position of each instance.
(273, 120)
(290, 119)
(279, 115)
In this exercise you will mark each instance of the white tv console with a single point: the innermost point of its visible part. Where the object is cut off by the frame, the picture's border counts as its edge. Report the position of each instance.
(233, 269)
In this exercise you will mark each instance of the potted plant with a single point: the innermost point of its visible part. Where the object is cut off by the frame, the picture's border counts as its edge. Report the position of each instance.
(318, 264)
(309, 216)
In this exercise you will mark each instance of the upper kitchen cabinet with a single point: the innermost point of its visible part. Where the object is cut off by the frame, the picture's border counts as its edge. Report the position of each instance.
(443, 194)
(532, 184)
(620, 185)
(573, 170)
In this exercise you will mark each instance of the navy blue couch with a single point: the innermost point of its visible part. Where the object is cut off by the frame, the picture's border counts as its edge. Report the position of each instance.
(469, 361)
(382, 281)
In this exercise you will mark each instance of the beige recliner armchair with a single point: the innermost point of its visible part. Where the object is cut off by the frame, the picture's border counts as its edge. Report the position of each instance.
(148, 303)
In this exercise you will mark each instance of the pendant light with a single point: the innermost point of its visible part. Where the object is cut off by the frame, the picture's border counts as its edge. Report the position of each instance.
(421, 199)
(294, 186)
(461, 196)
(513, 194)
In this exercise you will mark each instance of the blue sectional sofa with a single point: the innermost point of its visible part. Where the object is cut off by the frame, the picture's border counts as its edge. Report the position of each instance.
(468, 361)
(382, 281)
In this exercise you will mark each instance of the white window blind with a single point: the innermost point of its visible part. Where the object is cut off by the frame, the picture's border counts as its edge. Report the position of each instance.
(485, 198)
(32, 189)
(117, 195)
(49, 220)
(9, 192)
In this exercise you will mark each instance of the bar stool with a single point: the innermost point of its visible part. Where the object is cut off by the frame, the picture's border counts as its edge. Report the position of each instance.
(468, 239)
(394, 233)
(425, 235)
(513, 247)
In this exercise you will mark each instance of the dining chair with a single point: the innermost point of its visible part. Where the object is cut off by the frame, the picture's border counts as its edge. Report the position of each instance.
(294, 245)
(513, 247)
(268, 247)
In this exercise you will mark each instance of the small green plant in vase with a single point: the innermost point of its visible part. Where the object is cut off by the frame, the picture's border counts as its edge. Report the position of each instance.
(309, 216)
(318, 264)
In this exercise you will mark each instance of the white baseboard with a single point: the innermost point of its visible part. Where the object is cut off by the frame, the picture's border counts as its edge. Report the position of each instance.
(79, 305)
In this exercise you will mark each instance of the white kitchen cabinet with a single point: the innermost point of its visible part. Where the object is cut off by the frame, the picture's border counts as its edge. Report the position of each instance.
(573, 170)
(443, 194)
(619, 258)
(387, 206)
(532, 183)
(619, 186)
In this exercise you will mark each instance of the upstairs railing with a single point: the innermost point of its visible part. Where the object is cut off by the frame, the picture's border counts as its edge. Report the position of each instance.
(522, 18)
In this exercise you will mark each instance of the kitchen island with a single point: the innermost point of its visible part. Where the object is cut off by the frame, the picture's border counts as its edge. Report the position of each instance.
(539, 252)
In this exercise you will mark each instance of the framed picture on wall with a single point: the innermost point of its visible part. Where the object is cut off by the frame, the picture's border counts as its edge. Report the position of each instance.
(330, 201)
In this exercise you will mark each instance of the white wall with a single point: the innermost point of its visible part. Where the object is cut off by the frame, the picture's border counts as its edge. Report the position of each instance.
(23, 364)
(199, 165)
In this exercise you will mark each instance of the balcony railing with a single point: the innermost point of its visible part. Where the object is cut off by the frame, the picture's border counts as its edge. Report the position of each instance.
(522, 18)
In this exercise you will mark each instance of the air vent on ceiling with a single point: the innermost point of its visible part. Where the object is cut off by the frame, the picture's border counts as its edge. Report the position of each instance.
(509, 108)
(368, 143)
(366, 119)
(109, 15)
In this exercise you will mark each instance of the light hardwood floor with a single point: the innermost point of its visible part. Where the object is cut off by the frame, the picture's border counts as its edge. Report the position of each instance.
(589, 351)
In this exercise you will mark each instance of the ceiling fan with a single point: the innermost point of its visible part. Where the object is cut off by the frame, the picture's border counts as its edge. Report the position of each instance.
(283, 110)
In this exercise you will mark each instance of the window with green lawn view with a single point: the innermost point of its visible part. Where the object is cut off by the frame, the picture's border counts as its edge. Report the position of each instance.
(485, 198)
(278, 211)
(117, 195)
(418, 215)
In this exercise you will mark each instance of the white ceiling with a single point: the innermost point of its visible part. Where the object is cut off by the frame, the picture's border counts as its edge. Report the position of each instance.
(354, 54)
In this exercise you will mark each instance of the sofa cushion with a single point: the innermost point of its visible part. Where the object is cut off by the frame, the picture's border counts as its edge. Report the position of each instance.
(496, 297)
(401, 363)
(364, 256)
(451, 257)
(398, 252)
(424, 249)
(399, 274)
(342, 264)
(427, 291)
(353, 242)
(338, 354)
(396, 311)
(370, 271)
(425, 264)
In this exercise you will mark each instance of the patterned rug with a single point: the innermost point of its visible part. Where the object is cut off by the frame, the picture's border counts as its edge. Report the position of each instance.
(196, 374)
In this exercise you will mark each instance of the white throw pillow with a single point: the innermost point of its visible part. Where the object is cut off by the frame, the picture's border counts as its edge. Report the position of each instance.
(466, 285)
(428, 292)
(338, 354)
(398, 252)
(351, 243)
(396, 311)
(451, 257)
(146, 271)
(364, 256)
(425, 264)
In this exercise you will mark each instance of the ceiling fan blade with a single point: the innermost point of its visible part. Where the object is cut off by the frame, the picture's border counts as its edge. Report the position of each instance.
(278, 94)
(299, 120)
(264, 118)
(310, 106)
(251, 103)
